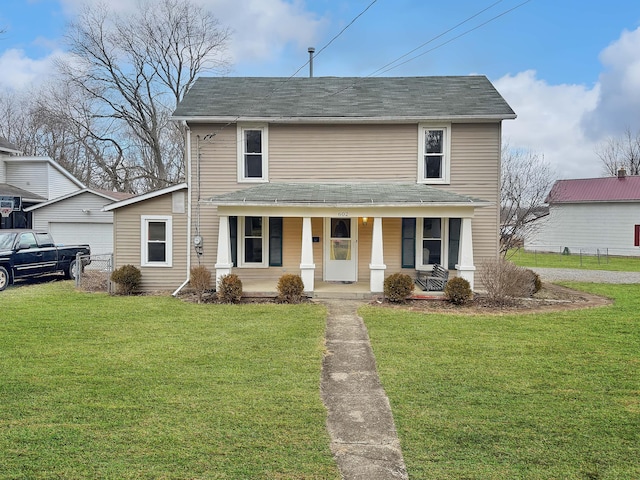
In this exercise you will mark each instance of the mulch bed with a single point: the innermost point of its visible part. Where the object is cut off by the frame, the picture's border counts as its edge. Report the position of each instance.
(549, 299)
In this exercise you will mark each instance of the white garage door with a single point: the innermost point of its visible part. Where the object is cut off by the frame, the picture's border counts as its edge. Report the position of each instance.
(98, 235)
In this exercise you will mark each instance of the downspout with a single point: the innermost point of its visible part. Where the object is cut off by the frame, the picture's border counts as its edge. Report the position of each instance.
(188, 172)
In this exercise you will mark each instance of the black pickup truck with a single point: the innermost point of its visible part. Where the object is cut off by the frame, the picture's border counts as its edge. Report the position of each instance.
(29, 253)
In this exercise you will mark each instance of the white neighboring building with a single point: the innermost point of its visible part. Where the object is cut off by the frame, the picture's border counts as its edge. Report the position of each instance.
(591, 214)
(77, 218)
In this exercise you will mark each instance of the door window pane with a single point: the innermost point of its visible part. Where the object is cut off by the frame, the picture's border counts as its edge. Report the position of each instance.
(340, 228)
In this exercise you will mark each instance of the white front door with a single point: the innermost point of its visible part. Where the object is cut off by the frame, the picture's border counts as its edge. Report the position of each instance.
(341, 250)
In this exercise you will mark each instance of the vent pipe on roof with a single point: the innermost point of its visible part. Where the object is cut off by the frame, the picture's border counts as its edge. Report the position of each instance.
(622, 172)
(311, 50)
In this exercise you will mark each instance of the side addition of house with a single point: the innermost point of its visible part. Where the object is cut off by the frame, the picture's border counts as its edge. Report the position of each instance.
(335, 179)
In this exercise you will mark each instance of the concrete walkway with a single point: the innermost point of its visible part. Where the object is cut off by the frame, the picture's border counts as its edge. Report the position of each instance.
(363, 436)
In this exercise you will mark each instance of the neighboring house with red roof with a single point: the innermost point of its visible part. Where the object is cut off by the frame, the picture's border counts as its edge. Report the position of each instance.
(591, 214)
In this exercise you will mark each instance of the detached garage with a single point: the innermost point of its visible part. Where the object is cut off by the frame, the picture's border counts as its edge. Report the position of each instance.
(78, 218)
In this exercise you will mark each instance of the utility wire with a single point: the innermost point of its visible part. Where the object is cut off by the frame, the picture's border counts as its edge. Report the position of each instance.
(435, 38)
(448, 41)
(384, 69)
(212, 135)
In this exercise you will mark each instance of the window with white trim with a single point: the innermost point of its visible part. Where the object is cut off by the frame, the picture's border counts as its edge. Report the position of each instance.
(156, 248)
(430, 247)
(433, 240)
(253, 162)
(434, 153)
(256, 241)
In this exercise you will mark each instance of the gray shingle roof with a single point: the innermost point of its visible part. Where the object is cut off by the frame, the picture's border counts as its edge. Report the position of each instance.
(342, 194)
(412, 98)
(11, 191)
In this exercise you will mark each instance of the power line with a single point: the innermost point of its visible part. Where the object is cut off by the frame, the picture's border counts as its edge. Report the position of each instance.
(450, 40)
(436, 37)
(384, 69)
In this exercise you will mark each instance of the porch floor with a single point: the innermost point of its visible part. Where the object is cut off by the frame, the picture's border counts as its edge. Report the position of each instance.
(354, 291)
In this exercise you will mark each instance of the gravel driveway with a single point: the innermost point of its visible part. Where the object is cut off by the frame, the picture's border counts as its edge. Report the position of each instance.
(596, 276)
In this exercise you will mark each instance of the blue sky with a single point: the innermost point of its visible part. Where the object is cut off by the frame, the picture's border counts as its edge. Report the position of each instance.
(570, 68)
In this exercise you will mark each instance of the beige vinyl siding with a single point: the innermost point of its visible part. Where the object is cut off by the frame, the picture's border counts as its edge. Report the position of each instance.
(3, 170)
(345, 153)
(475, 171)
(127, 241)
(310, 153)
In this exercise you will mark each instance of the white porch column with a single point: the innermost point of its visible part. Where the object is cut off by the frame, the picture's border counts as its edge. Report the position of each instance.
(465, 265)
(224, 264)
(307, 267)
(377, 266)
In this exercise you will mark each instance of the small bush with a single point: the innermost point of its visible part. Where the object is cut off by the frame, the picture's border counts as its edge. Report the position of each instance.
(200, 280)
(230, 288)
(536, 282)
(398, 287)
(128, 279)
(458, 291)
(505, 281)
(290, 288)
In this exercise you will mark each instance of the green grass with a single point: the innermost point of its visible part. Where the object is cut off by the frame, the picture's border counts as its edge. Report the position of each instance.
(575, 260)
(94, 386)
(515, 396)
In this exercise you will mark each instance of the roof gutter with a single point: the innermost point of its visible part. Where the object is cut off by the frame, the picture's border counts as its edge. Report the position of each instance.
(380, 119)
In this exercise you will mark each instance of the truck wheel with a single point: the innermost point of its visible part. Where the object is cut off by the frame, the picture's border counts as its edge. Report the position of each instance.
(72, 273)
(4, 278)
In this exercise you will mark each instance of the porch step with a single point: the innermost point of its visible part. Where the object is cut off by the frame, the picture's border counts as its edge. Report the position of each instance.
(344, 295)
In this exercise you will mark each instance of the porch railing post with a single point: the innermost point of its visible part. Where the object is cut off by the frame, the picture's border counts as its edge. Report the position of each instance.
(223, 264)
(377, 266)
(307, 267)
(466, 268)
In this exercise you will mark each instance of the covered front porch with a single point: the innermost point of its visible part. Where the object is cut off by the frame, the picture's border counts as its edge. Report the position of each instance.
(342, 237)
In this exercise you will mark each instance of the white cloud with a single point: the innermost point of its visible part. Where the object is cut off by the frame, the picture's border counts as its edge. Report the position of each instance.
(261, 29)
(549, 122)
(619, 101)
(20, 70)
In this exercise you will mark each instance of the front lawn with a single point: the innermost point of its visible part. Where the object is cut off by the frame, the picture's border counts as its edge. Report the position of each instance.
(94, 386)
(515, 396)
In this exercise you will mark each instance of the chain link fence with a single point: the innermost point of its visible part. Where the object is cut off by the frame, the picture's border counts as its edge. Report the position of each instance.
(584, 256)
(95, 274)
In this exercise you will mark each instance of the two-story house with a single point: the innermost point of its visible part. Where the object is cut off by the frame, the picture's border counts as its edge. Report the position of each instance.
(28, 181)
(335, 179)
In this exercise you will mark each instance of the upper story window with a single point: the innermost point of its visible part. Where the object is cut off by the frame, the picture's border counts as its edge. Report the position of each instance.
(156, 246)
(434, 153)
(253, 153)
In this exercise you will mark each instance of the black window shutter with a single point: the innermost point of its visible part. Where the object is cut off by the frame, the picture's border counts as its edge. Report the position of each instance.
(233, 233)
(275, 241)
(408, 243)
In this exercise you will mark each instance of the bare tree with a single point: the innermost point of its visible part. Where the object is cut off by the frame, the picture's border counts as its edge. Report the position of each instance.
(620, 152)
(132, 71)
(526, 180)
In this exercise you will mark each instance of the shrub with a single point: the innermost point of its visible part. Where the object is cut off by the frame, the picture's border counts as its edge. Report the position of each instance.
(290, 288)
(200, 280)
(458, 291)
(505, 281)
(398, 287)
(230, 288)
(535, 280)
(128, 279)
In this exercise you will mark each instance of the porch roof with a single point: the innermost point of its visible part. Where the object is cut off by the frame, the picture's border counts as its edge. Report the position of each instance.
(344, 195)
